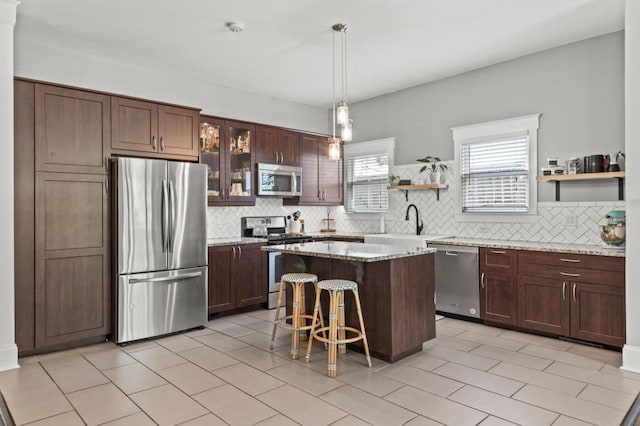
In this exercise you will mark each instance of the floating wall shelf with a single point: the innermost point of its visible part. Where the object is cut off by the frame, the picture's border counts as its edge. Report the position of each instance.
(406, 188)
(586, 176)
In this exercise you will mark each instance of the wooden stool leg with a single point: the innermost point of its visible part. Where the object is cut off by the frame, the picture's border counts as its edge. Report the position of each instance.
(303, 311)
(320, 315)
(333, 333)
(342, 347)
(314, 321)
(364, 335)
(295, 321)
(277, 316)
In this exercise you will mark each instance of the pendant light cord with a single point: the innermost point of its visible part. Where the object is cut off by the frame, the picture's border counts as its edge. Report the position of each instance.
(333, 74)
(344, 64)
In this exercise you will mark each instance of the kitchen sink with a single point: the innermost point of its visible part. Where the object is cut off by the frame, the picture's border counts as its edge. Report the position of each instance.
(408, 241)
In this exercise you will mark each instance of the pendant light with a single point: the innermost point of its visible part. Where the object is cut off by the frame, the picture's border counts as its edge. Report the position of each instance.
(341, 110)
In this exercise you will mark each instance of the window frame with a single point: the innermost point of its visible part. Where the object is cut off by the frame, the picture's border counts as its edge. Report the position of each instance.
(482, 132)
(373, 147)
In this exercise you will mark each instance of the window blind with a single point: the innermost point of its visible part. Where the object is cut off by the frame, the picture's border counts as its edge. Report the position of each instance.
(367, 177)
(495, 175)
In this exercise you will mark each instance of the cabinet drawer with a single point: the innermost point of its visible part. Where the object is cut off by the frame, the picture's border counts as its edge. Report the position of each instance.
(499, 258)
(572, 274)
(580, 261)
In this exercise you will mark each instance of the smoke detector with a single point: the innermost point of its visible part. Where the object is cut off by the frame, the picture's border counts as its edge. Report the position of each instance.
(235, 27)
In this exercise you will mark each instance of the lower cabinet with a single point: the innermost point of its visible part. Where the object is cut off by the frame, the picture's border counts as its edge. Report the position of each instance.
(498, 286)
(572, 295)
(237, 276)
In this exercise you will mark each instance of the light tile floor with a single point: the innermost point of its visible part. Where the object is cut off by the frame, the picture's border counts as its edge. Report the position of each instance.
(224, 374)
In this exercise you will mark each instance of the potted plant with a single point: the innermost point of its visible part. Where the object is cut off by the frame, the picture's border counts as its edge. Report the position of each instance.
(393, 179)
(435, 167)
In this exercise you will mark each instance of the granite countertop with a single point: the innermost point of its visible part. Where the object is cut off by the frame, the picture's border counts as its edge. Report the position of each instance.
(356, 252)
(336, 234)
(234, 241)
(534, 246)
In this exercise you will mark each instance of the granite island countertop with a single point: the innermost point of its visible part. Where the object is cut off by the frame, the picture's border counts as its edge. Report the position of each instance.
(355, 252)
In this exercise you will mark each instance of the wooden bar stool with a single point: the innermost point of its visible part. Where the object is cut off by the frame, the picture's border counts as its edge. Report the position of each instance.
(298, 315)
(337, 330)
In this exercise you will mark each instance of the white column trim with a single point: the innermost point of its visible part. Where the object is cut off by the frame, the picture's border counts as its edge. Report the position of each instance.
(8, 348)
(631, 351)
(631, 357)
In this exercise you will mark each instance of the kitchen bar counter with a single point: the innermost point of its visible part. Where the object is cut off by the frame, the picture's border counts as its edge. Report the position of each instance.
(534, 246)
(396, 288)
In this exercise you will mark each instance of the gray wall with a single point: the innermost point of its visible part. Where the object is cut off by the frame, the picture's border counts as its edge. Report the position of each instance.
(578, 88)
(39, 60)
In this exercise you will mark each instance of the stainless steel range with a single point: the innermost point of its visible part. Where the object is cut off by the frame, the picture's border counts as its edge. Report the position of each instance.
(276, 227)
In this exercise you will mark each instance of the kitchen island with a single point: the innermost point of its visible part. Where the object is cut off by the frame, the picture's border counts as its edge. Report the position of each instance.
(396, 287)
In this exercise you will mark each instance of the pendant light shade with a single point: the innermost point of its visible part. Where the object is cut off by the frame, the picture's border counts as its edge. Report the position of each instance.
(342, 113)
(334, 148)
(347, 133)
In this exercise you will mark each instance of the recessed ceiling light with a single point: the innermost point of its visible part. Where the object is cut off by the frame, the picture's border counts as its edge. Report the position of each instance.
(235, 27)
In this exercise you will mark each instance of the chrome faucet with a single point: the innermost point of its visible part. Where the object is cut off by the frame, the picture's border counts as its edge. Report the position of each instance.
(420, 226)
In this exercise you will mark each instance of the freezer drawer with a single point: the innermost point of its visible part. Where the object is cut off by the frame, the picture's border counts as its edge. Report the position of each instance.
(157, 303)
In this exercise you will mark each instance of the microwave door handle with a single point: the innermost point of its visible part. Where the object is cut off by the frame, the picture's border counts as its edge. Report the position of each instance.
(295, 183)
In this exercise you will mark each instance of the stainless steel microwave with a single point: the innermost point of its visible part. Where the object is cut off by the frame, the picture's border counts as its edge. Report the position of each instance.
(279, 180)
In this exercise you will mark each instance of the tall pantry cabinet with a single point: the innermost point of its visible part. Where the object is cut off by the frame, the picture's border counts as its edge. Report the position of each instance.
(62, 139)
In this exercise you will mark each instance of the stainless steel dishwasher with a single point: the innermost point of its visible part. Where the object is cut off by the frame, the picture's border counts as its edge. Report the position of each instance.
(456, 275)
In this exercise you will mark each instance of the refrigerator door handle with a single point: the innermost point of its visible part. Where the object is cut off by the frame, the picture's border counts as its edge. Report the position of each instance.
(172, 214)
(165, 216)
(161, 279)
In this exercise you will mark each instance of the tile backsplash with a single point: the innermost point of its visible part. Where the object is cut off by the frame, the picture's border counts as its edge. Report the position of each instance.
(561, 222)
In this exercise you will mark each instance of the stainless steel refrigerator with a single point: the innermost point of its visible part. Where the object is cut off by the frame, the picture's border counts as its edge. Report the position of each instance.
(161, 249)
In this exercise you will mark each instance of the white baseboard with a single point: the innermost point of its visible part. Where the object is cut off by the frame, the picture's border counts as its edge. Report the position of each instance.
(631, 358)
(9, 357)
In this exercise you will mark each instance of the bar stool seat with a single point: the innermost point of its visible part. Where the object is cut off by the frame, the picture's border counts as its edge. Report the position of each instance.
(337, 330)
(298, 316)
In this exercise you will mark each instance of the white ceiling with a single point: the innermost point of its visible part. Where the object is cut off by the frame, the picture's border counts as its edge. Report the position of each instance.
(286, 48)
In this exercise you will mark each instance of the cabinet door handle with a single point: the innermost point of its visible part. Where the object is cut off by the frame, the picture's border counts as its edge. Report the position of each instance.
(282, 158)
(562, 259)
(106, 185)
(275, 154)
(574, 292)
(234, 252)
(323, 194)
(498, 251)
(319, 195)
(482, 280)
(153, 143)
(239, 252)
(106, 164)
(161, 143)
(564, 288)
(568, 274)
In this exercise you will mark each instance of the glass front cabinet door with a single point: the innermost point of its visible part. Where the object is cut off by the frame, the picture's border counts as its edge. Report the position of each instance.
(227, 149)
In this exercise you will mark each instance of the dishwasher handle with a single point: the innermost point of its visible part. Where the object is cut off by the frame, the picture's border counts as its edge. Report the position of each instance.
(446, 248)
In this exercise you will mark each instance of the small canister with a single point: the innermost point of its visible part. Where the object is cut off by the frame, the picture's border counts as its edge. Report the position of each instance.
(574, 166)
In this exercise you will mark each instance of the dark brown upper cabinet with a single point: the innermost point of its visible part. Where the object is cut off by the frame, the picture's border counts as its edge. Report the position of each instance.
(277, 146)
(228, 150)
(153, 130)
(321, 176)
(72, 131)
